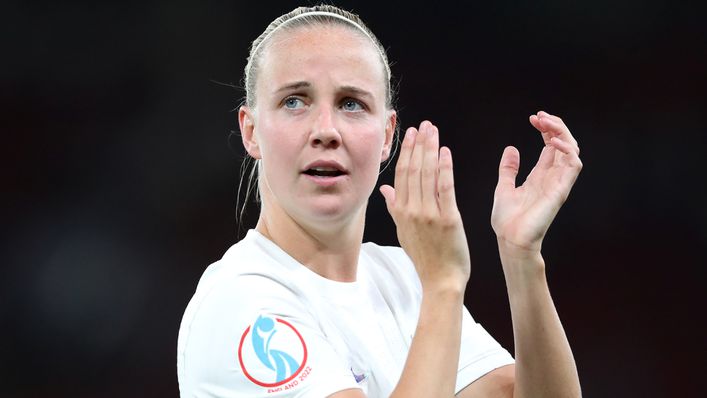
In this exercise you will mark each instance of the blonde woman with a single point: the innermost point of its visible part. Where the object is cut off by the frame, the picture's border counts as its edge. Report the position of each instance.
(302, 308)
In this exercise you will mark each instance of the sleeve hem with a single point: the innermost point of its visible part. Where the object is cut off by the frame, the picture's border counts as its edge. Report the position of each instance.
(473, 371)
(332, 386)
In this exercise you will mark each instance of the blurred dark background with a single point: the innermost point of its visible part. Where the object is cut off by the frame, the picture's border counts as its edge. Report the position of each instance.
(120, 170)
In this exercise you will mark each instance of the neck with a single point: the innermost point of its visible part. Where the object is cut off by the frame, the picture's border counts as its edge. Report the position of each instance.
(330, 249)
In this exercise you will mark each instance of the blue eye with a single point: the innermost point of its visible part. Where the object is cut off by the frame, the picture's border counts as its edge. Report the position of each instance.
(350, 105)
(293, 103)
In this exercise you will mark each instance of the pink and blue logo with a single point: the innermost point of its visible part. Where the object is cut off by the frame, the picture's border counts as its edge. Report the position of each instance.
(271, 352)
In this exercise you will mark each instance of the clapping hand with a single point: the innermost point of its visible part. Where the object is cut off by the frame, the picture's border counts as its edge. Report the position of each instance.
(424, 209)
(522, 214)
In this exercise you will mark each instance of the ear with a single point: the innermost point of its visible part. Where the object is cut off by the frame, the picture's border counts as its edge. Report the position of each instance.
(390, 124)
(247, 125)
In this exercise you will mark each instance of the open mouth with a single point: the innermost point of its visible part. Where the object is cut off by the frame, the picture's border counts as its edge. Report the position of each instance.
(324, 172)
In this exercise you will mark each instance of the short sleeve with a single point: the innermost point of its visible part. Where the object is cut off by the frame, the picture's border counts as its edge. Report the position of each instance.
(253, 337)
(480, 353)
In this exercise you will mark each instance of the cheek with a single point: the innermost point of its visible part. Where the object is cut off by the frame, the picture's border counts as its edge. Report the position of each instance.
(370, 148)
(275, 142)
(277, 150)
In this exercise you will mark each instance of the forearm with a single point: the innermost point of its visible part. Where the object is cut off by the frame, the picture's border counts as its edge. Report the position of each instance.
(545, 366)
(431, 366)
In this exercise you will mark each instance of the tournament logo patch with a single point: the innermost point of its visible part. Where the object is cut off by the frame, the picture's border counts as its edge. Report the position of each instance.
(272, 354)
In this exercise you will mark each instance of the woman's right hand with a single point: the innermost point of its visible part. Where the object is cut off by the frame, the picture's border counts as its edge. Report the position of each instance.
(424, 208)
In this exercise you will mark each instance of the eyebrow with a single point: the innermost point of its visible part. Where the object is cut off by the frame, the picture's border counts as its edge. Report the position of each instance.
(304, 84)
(357, 91)
(294, 86)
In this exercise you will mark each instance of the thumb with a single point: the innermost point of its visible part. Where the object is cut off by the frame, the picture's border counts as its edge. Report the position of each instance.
(508, 168)
(388, 193)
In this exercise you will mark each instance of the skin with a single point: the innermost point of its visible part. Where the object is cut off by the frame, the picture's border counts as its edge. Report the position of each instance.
(320, 227)
(334, 109)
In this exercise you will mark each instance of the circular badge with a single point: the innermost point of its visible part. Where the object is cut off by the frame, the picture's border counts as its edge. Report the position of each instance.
(271, 352)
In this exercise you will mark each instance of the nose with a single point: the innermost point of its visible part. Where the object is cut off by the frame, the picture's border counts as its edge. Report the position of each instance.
(324, 132)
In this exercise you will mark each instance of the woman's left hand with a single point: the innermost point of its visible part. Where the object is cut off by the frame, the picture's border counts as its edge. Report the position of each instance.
(522, 214)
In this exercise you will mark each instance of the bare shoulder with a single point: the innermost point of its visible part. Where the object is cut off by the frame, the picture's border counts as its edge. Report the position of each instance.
(497, 383)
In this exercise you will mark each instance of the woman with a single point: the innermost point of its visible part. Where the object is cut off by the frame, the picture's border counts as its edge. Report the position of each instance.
(300, 307)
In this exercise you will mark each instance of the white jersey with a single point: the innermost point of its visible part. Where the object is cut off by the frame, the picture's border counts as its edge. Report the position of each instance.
(263, 325)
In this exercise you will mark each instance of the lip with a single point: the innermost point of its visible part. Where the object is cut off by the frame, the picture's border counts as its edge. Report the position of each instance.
(326, 181)
(326, 163)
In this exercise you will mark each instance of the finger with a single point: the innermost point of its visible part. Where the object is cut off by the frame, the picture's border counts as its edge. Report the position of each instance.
(508, 169)
(535, 121)
(388, 193)
(553, 126)
(571, 160)
(545, 162)
(430, 167)
(547, 157)
(445, 182)
(549, 116)
(414, 168)
(567, 179)
(559, 129)
(401, 168)
(562, 146)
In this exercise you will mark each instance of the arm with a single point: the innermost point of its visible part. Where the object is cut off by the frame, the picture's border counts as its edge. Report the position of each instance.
(431, 366)
(521, 217)
(544, 362)
(430, 230)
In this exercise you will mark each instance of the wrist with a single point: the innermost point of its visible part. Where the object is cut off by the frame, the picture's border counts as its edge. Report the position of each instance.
(520, 252)
(525, 263)
(451, 290)
(523, 274)
(445, 278)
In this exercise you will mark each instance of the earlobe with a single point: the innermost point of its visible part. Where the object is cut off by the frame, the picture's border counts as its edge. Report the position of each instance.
(247, 126)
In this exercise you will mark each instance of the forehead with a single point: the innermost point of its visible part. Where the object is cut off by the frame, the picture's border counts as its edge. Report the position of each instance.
(309, 53)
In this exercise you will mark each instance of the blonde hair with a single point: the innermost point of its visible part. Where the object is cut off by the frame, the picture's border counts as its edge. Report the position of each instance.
(310, 16)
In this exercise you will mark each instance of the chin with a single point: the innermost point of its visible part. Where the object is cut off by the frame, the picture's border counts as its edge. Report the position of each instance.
(332, 210)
